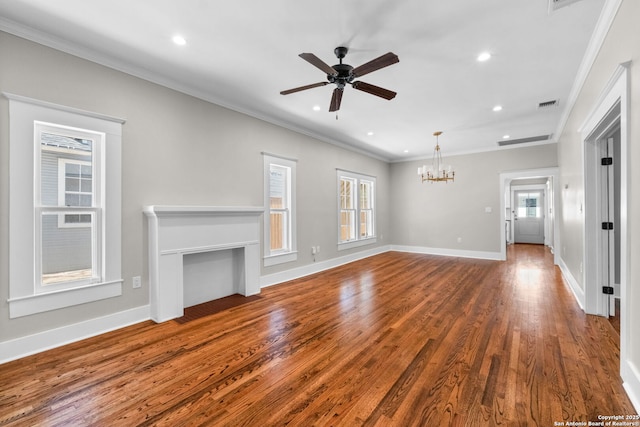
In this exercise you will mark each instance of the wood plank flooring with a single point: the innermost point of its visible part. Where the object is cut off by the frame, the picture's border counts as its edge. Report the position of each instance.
(393, 340)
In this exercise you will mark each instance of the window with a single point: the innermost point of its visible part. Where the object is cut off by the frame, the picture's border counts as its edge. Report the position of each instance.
(356, 212)
(65, 207)
(279, 219)
(67, 234)
(529, 205)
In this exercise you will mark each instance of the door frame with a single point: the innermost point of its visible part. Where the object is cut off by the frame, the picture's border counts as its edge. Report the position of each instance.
(611, 109)
(552, 201)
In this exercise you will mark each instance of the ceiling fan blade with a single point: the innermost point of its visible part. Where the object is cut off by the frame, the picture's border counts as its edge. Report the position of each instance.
(336, 99)
(385, 60)
(374, 90)
(319, 63)
(298, 89)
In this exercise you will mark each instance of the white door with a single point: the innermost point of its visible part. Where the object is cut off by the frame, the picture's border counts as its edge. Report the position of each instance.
(528, 216)
(607, 240)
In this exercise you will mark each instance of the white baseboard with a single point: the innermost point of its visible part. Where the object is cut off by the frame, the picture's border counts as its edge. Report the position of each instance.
(631, 378)
(578, 292)
(448, 252)
(317, 267)
(46, 340)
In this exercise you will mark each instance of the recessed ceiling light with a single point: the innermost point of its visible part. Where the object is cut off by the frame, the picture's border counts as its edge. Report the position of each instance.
(506, 137)
(406, 151)
(316, 108)
(497, 108)
(370, 133)
(484, 56)
(179, 40)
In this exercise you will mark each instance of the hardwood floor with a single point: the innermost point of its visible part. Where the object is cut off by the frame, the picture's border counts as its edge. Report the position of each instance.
(393, 340)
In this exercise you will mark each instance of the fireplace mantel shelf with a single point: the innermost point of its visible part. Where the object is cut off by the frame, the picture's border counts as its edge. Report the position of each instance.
(199, 210)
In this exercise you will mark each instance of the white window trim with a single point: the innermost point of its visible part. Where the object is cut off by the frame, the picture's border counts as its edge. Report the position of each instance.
(279, 257)
(358, 242)
(23, 298)
(62, 189)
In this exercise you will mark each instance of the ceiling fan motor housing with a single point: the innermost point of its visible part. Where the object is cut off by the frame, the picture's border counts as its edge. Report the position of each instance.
(344, 76)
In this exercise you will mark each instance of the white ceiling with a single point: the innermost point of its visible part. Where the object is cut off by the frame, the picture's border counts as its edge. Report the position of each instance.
(241, 54)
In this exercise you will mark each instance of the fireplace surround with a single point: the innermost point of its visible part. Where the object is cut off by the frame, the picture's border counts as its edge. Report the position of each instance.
(178, 231)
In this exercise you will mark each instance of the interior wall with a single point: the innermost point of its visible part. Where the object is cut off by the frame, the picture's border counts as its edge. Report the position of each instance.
(620, 46)
(177, 150)
(454, 215)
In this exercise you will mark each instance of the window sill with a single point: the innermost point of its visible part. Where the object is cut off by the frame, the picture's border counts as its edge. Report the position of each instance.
(356, 243)
(39, 303)
(280, 258)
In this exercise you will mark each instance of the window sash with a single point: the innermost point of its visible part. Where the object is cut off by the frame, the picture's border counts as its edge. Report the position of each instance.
(356, 213)
(52, 271)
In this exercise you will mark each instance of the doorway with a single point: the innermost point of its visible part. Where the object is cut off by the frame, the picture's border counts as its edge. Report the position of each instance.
(545, 181)
(528, 216)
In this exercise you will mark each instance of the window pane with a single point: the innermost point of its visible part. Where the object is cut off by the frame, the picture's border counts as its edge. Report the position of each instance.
(366, 223)
(65, 166)
(278, 186)
(279, 227)
(529, 205)
(67, 253)
(347, 225)
(346, 194)
(365, 195)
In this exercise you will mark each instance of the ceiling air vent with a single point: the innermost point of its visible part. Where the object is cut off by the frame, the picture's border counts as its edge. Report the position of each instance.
(506, 142)
(557, 4)
(546, 104)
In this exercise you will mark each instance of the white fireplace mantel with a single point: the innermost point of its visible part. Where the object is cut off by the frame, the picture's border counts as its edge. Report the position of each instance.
(176, 231)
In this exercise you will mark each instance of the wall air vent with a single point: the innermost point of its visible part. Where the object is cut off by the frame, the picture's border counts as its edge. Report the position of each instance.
(552, 103)
(506, 142)
(557, 4)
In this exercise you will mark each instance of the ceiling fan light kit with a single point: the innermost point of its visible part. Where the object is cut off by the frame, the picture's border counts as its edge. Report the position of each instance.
(344, 74)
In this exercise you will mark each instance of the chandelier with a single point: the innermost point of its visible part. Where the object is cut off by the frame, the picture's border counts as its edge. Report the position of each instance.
(438, 171)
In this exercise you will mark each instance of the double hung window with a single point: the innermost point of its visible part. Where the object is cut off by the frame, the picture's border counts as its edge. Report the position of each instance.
(65, 206)
(280, 210)
(356, 209)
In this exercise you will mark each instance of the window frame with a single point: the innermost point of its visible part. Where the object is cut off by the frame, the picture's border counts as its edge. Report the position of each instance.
(275, 257)
(26, 297)
(356, 179)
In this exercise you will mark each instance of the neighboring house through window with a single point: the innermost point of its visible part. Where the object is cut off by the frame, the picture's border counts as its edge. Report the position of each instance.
(64, 215)
(356, 209)
(280, 210)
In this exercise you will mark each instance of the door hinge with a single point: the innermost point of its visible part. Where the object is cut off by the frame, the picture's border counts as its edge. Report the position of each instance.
(608, 290)
(607, 226)
(606, 161)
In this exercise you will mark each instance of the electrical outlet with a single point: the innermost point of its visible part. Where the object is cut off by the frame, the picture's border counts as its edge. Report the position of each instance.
(313, 250)
(137, 282)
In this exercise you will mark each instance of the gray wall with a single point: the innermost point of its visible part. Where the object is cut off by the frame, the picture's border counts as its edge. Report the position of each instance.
(621, 45)
(436, 215)
(176, 150)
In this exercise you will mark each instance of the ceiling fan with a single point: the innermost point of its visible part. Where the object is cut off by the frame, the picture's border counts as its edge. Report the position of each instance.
(343, 74)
